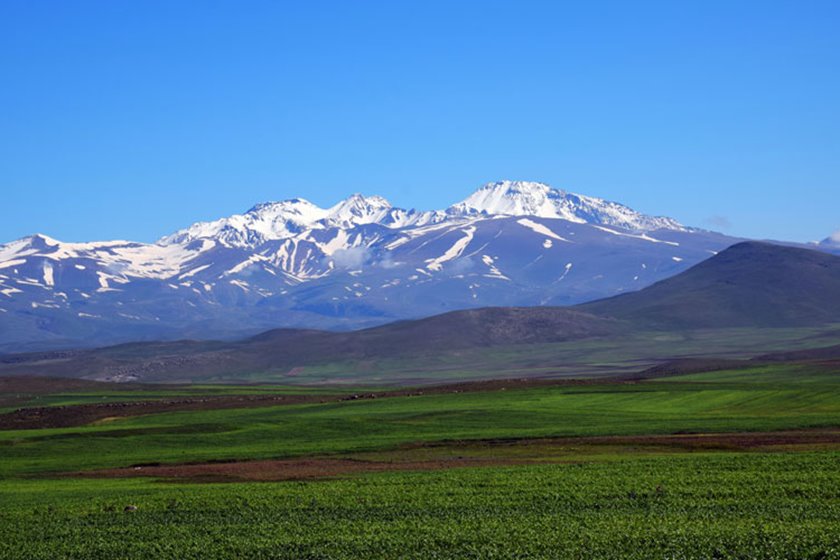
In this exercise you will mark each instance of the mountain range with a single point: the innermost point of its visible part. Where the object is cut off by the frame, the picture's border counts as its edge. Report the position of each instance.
(357, 264)
(751, 285)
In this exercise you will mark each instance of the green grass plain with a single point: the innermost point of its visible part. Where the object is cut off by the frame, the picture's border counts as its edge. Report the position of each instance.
(21, 399)
(713, 402)
(627, 501)
(706, 506)
(591, 358)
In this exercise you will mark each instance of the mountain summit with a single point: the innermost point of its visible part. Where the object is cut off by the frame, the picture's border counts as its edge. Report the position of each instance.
(832, 240)
(360, 262)
(524, 198)
(280, 220)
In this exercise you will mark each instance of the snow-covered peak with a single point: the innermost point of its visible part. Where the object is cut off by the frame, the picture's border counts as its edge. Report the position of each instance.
(40, 239)
(832, 240)
(297, 209)
(289, 218)
(42, 245)
(357, 209)
(525, 198)
(274, 220)
(118, 258)
(269, 220)
(28, 245)
(510, 198)
(282, 220)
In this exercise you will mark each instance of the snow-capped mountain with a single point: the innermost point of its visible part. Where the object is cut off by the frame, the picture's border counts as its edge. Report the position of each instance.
(832, 242)
(271, 221)
(518, 198)
(281, 220)
(360, 262)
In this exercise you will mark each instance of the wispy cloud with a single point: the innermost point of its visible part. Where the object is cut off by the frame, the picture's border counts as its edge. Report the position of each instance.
(351, 258)
(721, 222)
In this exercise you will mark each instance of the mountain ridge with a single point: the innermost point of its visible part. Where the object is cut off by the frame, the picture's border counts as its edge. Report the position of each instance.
(700, 298)
(502, 198)
(359, 263)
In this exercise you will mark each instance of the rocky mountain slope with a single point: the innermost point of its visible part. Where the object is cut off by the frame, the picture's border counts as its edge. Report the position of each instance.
(359, 263)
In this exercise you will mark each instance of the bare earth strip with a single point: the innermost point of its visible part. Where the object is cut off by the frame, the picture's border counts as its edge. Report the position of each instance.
(33, 418)
(444, 455)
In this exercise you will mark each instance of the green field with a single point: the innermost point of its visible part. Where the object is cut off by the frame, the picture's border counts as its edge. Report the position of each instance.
(548, 478)
(724, 506)
(591, 358)
(14, 400)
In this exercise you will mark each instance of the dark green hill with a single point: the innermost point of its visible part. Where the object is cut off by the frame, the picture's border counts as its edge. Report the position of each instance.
(456, 330)
(286, 349)
(748, 285)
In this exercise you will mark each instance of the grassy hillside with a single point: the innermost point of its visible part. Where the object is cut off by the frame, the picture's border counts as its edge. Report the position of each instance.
(748, 285)
(245, 362)
(282, 350)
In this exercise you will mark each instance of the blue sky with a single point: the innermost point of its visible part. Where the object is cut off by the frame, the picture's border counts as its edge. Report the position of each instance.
(132, 119)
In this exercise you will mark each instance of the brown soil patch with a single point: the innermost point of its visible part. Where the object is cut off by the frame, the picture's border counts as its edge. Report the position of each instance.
(19, 388)
(283, 469)
(451, 454)
(734, 441)
(33, 418)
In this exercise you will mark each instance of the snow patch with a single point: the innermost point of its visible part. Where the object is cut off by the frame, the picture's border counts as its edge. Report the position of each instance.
(340, 241)
(494, 271)
(13, 262)
(253, 259)
(128, 316)
(49, 277)
(541, 229)
(194, 271)
(643, 236)
(454, 251)
(566, 271)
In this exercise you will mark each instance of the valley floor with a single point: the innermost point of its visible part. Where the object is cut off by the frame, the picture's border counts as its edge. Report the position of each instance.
(725, 464)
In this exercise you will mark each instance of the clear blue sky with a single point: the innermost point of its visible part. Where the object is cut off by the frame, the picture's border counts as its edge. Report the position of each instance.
(132, 119)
